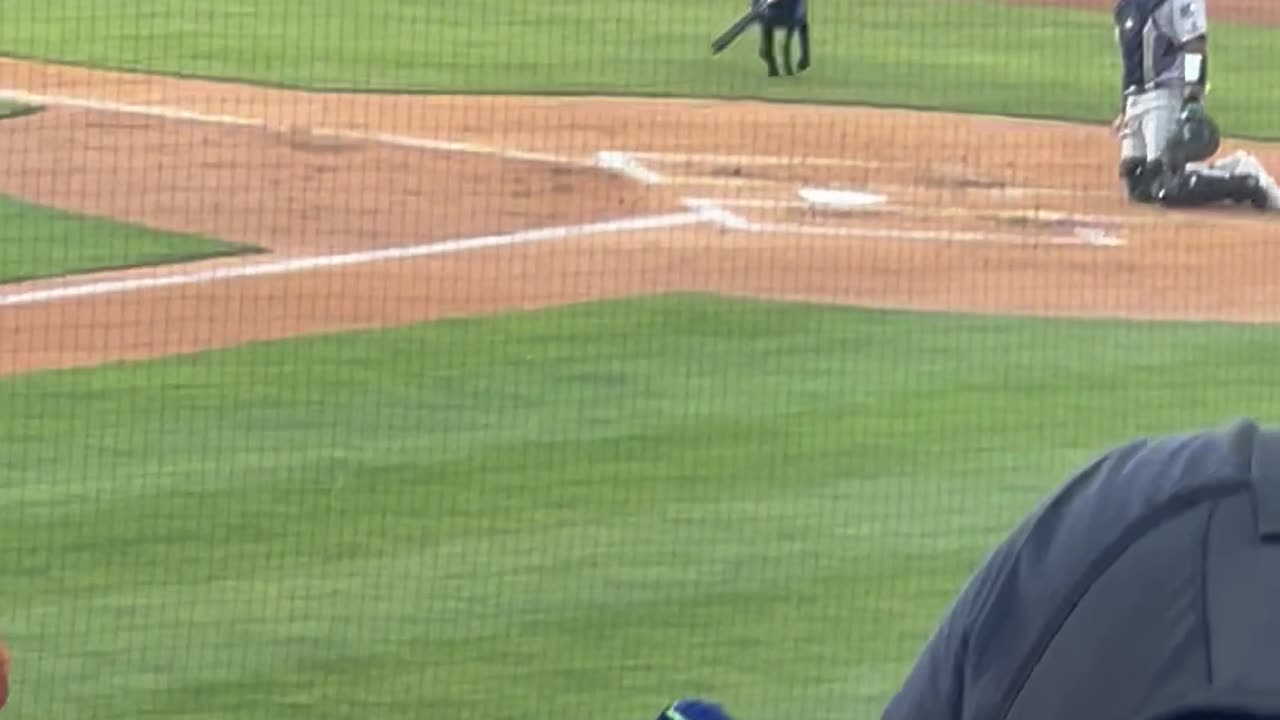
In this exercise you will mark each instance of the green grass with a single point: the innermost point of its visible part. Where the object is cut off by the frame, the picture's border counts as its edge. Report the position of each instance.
(968, 56)
(12, 110)
(593, 509)
(38, 242)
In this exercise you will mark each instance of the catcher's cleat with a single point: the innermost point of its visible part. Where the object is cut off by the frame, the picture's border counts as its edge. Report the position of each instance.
(1259, 197)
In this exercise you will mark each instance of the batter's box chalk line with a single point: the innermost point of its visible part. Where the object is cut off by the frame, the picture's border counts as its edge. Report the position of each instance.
(717, 211)
(677, 158)
(627, 165)
(642, 165)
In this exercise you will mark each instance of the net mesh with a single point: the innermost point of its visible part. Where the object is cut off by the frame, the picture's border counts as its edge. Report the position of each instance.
(500, 359)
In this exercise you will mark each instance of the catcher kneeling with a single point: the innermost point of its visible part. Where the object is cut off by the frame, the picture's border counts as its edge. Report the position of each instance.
(1180, 173)
(1166, 137)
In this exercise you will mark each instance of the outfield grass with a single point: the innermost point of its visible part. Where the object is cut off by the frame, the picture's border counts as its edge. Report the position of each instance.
(610, 506)
(39, 242)
(969, 56)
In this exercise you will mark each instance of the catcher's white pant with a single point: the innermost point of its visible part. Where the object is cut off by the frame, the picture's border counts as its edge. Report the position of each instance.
(1149, 121)
(1241, 162)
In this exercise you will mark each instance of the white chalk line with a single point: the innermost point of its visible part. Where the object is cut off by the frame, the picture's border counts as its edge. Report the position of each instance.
(1036, 214)
(715, 212)
(761, 160)
(322, 262)
(801, 161)
(999, 191)
(625, 164)
(631, 158)
(173, 113)
(1090, 238)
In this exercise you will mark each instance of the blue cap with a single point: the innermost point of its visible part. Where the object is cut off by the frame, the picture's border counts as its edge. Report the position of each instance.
(694, 709)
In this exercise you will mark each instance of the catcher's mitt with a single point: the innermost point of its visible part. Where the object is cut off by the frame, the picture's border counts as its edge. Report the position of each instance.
(1195, 138)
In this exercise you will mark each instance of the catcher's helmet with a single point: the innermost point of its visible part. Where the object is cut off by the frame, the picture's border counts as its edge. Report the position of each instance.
(694, 709)
(1195, 138)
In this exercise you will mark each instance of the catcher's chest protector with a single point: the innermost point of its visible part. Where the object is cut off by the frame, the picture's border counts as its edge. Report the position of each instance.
(1179, 616)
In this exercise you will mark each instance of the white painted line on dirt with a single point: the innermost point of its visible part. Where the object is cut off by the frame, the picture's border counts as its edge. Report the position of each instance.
(836, 199)
(1053, 216)
(159, 111)
(792, 161)
(801, 161)
(750, 203)
(1034, 215)
(171, 113)
(928, 235)
(715, 212)
(711, 180)
(322, 262)
(625, 164)
(461, 147)
(1015, 214)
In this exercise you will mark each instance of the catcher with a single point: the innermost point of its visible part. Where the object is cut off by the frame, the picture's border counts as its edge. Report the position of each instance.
(1166, 136)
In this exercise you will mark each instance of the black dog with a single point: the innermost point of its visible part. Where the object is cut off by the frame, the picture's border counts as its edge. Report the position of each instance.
(793, 16)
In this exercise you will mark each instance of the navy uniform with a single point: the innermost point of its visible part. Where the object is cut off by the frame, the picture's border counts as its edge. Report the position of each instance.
(1143, 589)
(1164, 50)
(694, 709)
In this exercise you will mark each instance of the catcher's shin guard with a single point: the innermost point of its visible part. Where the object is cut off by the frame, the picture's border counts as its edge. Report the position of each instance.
(1206, 187)
(1140, 178)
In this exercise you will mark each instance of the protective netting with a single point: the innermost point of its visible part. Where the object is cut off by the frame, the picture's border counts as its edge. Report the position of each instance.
(507, 359)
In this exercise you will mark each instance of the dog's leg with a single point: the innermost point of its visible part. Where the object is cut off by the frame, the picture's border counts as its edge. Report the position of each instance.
(804, 46)
(766, 47)
(786, 50)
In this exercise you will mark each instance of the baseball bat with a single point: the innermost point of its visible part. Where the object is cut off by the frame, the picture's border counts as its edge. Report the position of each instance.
(736, 29)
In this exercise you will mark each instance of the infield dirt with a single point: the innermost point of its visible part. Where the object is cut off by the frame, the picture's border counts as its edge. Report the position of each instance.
(1007, 230)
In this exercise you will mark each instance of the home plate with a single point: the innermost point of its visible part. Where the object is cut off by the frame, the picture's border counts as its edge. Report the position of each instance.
(840, 199)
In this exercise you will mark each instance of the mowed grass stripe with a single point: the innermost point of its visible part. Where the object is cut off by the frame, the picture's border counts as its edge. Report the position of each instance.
(603, 505)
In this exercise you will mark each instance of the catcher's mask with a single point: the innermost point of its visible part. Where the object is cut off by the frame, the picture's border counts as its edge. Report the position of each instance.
(1195, 138)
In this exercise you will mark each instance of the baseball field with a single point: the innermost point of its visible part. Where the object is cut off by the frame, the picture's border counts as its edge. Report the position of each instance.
(485, 360)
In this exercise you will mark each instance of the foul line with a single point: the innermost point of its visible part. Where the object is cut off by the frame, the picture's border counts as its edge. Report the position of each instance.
(321, 262)
(173, 113)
